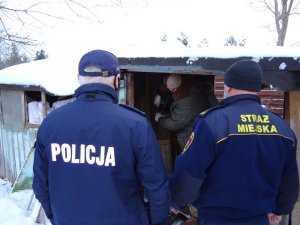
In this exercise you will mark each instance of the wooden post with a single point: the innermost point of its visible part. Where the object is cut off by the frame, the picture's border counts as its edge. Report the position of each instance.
(147, 100)
(44, 104)
(293, 115)
(129, 89)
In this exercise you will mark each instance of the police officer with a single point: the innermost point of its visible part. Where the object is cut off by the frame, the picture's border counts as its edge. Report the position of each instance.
(93, 156)
(239, 166)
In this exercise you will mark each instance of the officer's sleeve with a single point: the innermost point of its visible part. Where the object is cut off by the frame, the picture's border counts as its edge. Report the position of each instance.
(289, 187)
(152, 175)
(40, 179)
(181, 114)
(191, 165)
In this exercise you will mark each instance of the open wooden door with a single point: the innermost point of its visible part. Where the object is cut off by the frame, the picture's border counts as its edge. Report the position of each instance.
(292, 116)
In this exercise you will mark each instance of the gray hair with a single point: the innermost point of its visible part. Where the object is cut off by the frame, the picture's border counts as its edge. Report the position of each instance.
(99, 79)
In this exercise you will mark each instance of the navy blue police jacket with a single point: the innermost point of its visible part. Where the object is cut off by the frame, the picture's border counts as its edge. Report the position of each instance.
(92, 157)
(240, 163)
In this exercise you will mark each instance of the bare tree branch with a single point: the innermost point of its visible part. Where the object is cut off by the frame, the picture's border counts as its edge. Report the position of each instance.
(29, 11)
(34, 14)
(82, 6)
(282, 10)
(26, 16)
(267, 5)
(297, 44)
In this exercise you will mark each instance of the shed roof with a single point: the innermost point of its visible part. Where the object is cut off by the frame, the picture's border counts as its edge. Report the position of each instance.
(57, 76)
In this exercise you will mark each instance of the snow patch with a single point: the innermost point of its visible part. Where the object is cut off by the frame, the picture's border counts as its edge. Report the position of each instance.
(282, 66)
(13, 207)
(191, 60)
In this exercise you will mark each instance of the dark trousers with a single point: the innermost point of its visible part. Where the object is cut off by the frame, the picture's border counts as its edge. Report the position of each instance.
(255, 221)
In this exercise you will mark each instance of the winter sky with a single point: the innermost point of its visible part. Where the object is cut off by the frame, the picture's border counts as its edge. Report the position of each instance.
(143, 23)
(131, 28)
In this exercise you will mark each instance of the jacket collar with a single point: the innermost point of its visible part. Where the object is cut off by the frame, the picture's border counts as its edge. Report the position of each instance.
(237, 98)
(97, 91)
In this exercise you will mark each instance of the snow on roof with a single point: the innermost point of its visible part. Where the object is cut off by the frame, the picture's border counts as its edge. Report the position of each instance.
(209, 52)
(55, 76)
(59, 75)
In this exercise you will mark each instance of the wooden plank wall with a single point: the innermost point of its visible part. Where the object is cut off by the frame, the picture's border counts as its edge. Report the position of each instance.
(129, 77)
(273, 100)
(14, 148)
(293, 116)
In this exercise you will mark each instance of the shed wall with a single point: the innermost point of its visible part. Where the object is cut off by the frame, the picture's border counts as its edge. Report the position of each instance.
(273, 100)
(14, 148)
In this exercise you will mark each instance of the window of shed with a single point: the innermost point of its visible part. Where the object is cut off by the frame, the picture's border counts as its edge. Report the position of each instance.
(40, 104)
(12, 105)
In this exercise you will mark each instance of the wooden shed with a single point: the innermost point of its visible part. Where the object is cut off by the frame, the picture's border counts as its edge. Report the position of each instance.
(142, 75)
(281, 79)
(22, 87)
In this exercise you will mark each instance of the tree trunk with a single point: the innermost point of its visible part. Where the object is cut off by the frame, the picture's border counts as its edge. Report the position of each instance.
(282, 19)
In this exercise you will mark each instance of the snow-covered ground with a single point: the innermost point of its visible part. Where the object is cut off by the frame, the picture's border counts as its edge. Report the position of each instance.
(13, 206)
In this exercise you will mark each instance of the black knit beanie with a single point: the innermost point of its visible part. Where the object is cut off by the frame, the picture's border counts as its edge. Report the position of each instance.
(244, 75)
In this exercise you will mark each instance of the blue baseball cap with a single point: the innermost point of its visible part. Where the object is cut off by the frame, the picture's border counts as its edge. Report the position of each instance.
(98, 63)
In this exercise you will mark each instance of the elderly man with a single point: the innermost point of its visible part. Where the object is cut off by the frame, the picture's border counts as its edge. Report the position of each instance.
(190, 97)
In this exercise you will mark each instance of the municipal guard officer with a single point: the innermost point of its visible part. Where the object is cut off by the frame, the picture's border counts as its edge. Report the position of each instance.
(93, 156)
(239, 166)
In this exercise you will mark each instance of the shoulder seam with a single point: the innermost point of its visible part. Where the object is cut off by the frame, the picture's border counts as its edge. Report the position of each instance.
(206, 112)
(132, 109)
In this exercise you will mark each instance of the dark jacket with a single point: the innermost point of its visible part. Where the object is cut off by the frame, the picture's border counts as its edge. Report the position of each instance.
(240, 163)
(92, 157)
(183, 113)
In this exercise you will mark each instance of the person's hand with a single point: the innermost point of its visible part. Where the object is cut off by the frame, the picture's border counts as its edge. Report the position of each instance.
(157, 116)
(274, 219)
(174, 211)
(157, 100)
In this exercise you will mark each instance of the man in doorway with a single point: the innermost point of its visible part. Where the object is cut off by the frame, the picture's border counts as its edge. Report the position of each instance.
(190, 97)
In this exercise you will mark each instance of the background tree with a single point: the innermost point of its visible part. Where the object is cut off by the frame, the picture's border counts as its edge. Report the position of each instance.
(183, 38)
(164, 38)
(38, 12)
(203, 43)
(282, 10)
(231, 41)
(13, 57)
(40, 55)
(10, 16)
